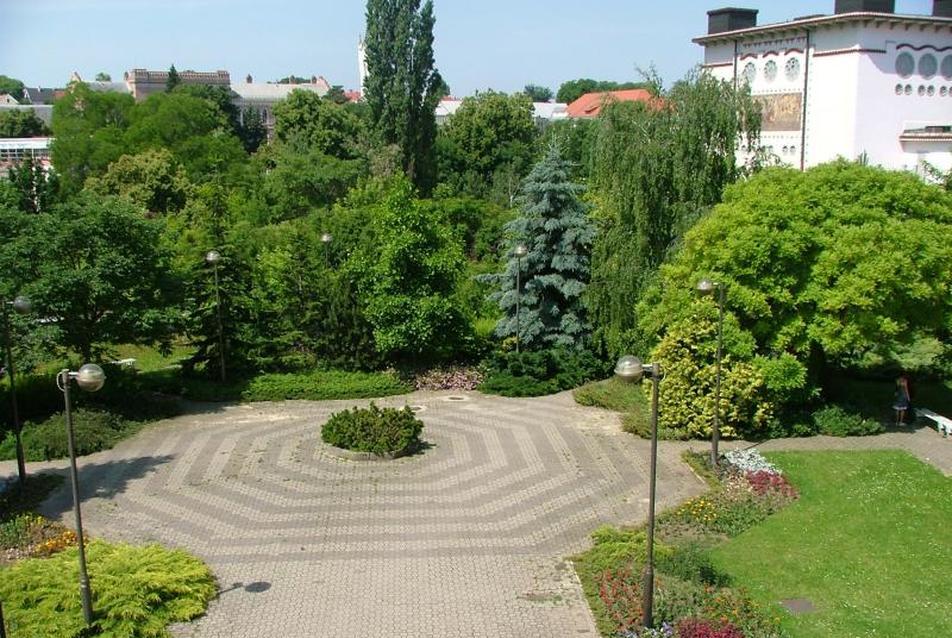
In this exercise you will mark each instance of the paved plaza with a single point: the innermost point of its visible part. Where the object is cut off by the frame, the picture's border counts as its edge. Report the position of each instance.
(468, 538)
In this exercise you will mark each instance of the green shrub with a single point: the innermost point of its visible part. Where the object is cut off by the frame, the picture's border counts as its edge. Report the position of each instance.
(137, 592)
(612, 394)
(833, 420)
(691, 561)
(94, 431)
(379, 431)
(539, 373)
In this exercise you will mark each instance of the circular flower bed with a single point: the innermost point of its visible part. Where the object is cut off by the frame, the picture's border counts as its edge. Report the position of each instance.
(383, 432)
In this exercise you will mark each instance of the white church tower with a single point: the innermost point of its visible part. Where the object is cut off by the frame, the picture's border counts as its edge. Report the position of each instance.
(362, 64)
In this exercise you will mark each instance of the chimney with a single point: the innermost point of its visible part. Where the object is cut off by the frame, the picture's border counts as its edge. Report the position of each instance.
(730, 19)
(942, 8)
(249, 79)
(865, 6)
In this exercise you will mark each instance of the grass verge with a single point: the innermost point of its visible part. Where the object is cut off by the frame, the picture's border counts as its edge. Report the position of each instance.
(867, 543)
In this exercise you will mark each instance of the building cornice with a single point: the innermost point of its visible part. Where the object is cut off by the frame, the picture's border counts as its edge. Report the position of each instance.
(825, 21)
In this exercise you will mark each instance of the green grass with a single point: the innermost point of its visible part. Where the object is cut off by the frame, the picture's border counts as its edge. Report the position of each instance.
(868, 543)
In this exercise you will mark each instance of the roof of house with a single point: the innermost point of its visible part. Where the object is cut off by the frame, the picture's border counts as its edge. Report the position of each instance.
(41, 96)
(43, 111)
(590, 104)
(271, 92)
(108, 87)
(837, 19)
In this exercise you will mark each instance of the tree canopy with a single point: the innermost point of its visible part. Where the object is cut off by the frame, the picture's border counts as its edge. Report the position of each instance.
(11, 86)
(572, 90)
(21, 123)
(403, 85)
(538, 93)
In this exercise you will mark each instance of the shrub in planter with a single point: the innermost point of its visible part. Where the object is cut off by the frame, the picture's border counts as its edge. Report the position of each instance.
(137, 592)
(382, 431)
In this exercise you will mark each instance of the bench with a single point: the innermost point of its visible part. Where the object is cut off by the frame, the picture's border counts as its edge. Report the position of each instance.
(125, 363)
(942, 424)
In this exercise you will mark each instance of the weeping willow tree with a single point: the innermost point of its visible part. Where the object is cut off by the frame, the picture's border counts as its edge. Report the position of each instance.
(657, 168)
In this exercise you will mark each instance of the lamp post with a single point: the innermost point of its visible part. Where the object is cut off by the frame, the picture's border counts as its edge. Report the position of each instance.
(213, 257)
(631, 370)
(89, 378)
(326, 239)
(520, 251)
(707, 287)
(21, 305)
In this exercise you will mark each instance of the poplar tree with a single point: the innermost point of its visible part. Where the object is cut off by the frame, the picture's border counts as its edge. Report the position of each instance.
(403, 87)
(558, 235)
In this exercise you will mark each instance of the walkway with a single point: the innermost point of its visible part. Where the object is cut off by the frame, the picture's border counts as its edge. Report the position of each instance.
(466, 539)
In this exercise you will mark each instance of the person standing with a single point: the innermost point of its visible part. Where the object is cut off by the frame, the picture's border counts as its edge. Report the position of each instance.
(903, 399)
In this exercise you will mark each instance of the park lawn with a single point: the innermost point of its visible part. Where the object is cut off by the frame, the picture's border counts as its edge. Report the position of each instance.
(868, 543)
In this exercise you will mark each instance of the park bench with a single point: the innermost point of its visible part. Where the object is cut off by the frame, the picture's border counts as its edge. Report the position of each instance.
(125, 363)
(942, 424)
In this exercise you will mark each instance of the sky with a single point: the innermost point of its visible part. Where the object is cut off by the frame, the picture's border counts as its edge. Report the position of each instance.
(480, 44)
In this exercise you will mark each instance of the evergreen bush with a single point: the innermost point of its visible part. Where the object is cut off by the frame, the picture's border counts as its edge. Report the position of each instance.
(380, 431)
(538, 373)
(94, 430)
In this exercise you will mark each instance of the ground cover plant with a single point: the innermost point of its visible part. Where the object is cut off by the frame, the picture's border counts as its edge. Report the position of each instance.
(137, 592)
(693, 596)
(380, 431)
(864, 543)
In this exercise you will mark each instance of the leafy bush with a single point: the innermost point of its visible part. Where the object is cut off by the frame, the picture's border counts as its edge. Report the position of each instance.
(138, 591)
(833, 420)
(94, 431)
(612, 394)
(538, 373)
(384, 431)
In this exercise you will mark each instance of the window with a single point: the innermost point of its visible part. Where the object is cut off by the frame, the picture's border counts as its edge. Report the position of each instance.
(908, 89)
(922, 90)
(928, 66)
(792, 69)
(750, 72)
(899, 89)
(905, 65)
(947, 67)
(770, 71)
(930, 91)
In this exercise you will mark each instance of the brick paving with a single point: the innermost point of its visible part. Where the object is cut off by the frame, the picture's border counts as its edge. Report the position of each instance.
(468, 538)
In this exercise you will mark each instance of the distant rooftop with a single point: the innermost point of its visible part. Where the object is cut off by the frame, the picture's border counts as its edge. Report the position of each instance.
(590, 104)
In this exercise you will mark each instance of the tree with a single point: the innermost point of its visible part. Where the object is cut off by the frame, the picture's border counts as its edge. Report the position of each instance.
(173, 80)
(293, 79)
(21, 123)
(150, 179)
(555, 229)
(488, 134)
(99, 275)
(300, 178)
(403, 86)
(337, 95)
(307, 118)
(538, 93)
(408, 278)
(574, 89)
(11, 86)
(824, 266)
(658, 167)
(37, 189)
(252, 132)
(102, 76)
(576, 138)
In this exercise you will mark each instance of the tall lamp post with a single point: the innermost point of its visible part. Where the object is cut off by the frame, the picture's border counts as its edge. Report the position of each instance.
(707, 287)
(21, 305)
(326, 239)
(213, 257)
(89, 378)
(520, 251)
(631, 370)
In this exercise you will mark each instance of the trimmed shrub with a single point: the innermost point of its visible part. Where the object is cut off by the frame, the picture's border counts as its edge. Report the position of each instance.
(833, 420)
(138, 591)
(539, 373)
(94, 431)
(612, 394)
(381, 431)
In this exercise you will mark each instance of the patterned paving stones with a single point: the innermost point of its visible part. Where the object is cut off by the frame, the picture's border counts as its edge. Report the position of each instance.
(465, 539)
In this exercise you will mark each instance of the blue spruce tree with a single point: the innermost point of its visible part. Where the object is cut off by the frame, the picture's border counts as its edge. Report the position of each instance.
(557, 233)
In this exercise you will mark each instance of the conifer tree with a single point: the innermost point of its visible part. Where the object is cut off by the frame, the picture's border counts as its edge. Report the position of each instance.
(173, 79)
(403, 86)
(555, 228)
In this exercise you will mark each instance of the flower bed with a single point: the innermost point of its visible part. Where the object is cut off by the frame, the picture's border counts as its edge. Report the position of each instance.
(692, 599)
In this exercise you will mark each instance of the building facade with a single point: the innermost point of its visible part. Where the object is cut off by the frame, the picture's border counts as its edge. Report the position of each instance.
(863, 82)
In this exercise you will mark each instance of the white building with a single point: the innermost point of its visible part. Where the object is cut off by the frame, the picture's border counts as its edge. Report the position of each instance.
(863, 82)
(542, 112)
(15, 150)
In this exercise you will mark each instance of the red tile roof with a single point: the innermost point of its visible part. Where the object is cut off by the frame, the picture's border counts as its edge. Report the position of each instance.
(590, 104)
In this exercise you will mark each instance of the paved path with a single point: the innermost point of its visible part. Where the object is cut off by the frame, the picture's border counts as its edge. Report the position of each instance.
(466, 539)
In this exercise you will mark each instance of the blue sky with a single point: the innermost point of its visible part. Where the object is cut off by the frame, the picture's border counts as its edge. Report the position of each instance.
(480, 44)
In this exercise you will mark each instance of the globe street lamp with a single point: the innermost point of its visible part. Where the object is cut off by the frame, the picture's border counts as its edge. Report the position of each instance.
(326, 239)
(630, 369)
(89, 378)
(213, 257)
(520, 251)
(21, 305)
(707, 287)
